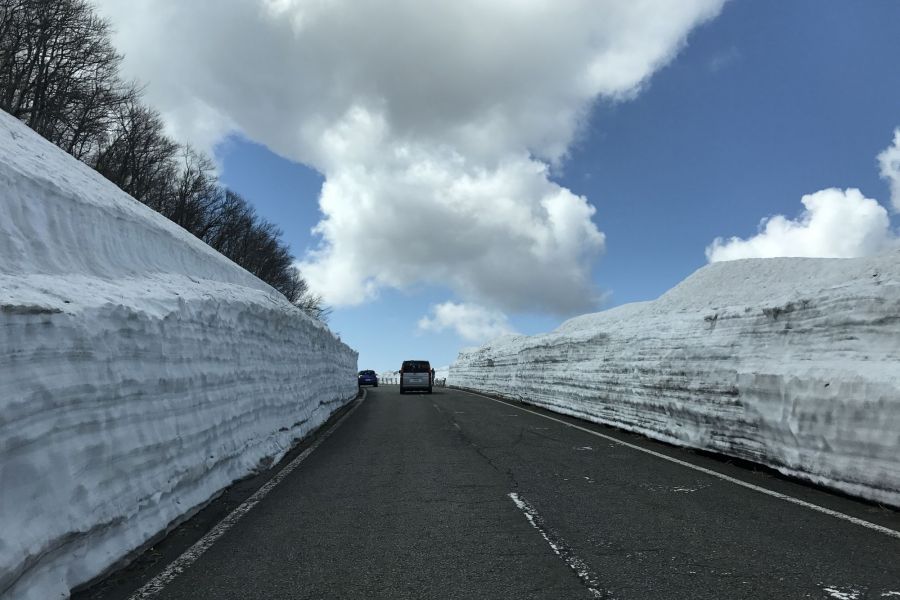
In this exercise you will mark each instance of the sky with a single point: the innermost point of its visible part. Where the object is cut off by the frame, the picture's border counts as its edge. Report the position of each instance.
(449, 172)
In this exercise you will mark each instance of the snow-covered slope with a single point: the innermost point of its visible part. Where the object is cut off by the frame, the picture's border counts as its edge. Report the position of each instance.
(140, 371)
(792, 363)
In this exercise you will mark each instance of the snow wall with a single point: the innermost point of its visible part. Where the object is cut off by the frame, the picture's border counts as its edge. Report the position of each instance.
(791, 363)
(140, 371)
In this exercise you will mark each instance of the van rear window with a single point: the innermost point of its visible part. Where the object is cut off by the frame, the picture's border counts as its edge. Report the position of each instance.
(416, 366)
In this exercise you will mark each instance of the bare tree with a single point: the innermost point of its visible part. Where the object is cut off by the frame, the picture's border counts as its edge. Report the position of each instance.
(59, 73)
(255, 244)
(195, 193)
(232, 216)
(303, 298)
(137, 156)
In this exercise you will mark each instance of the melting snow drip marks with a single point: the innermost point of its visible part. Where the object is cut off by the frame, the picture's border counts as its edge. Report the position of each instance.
(560, 548)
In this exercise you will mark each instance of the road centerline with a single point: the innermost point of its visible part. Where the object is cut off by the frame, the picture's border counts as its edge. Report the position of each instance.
(559, 546)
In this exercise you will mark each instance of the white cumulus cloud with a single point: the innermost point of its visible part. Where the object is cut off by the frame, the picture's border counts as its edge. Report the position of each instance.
(472, 322)
(434, 123)
(835, 223)
(505, 236)
(889, 161)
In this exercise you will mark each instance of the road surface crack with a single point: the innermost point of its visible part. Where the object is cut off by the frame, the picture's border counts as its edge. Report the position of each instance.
(481, 452)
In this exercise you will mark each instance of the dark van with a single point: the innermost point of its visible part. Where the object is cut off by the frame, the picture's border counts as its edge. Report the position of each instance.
(415, 375)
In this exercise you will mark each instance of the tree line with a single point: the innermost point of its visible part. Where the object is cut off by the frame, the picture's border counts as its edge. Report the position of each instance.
(60, 74)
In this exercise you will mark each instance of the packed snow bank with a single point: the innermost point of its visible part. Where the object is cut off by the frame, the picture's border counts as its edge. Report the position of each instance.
(140, 371)
(389, 377)
(792, 363)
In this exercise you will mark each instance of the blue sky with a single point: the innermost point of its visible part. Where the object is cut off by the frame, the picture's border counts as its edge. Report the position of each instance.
(767, 102)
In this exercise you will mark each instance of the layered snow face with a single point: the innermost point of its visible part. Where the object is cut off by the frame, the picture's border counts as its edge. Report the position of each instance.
(792, 363)
(140, 371)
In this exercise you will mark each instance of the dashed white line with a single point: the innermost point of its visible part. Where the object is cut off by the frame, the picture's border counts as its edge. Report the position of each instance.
(156, 585)
(842, 593)
(833, 513)
(559, 547)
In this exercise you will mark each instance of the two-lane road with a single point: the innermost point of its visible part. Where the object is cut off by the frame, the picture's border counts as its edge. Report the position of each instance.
(453, 495)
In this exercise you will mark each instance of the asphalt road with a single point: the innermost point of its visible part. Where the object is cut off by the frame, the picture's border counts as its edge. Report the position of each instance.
(452, 495)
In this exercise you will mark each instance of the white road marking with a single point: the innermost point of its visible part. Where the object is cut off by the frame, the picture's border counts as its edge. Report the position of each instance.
(559, 546)
(838, 515)
(156, 585)
(842, 593)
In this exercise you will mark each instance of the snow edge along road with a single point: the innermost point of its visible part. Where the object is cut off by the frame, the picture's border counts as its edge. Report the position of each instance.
(809, 505)
(189, 556)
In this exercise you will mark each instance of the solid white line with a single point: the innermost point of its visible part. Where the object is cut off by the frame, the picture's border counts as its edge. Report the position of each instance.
(156, 585)
(839, 515)
(559, 547)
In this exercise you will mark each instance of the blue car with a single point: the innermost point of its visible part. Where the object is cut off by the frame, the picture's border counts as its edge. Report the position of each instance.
(368, 378)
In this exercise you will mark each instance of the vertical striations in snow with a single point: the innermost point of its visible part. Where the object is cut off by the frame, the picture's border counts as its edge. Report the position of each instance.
(140, 371)
(792, 363)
